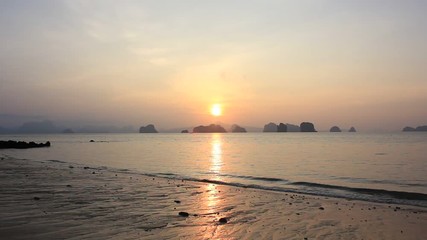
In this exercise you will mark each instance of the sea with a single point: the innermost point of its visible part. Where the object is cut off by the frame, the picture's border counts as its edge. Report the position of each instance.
(378, 167)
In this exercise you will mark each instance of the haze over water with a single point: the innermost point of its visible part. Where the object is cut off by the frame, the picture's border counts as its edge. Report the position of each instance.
(71, 68)
(351, 165)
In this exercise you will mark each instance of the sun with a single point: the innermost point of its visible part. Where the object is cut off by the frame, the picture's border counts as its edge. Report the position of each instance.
(216, 110)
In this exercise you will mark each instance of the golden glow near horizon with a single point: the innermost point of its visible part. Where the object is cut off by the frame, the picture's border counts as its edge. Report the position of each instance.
(139, 55)
(216, 110)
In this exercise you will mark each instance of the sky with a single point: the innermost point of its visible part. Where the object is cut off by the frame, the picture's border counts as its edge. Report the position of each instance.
(346, 63)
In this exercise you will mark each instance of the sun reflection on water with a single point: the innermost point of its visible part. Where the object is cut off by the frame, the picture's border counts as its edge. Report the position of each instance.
(215, 168)
(214, 199)
(216, 156)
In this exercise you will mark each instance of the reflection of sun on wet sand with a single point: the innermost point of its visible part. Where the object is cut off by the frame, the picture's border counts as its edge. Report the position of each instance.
(54, 200)
(212, 197)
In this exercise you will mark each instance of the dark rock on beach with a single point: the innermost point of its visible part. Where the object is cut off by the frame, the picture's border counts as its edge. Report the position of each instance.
(307, 127)
(335, 129)
(183, 214)
(223, 220)
(148, 129)
(22, 145)
(213, 128)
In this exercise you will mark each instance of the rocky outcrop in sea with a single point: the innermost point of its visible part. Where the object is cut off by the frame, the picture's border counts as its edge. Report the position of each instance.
(417, 129)
(237, 129)
(148, 129)
(22, 145)
(213, 128)
(335, 129)
(307, 127)
(282, 128)
(270, 127)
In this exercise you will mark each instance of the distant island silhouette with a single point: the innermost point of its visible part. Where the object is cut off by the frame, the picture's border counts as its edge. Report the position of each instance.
(282, 128)
(148, 129)
(307, 127)
(48, 127)
(335, 129)
(237, 129)
(68, 130)
(270, 127)
(293, 128)
(417, 129)
(213, 128)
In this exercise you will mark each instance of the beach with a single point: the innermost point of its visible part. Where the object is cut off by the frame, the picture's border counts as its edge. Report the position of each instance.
(59, 200)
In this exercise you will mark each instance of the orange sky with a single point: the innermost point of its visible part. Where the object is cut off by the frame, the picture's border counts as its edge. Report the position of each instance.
(359, 63)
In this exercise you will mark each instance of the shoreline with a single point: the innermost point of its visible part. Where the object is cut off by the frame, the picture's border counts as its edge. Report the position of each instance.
(54, 199)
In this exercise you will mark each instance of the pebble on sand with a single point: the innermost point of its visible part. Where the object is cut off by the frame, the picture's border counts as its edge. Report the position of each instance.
(183, 214)
(223, 220)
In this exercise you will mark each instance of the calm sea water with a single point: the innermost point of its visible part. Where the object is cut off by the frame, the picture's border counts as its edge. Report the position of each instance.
(375, 167)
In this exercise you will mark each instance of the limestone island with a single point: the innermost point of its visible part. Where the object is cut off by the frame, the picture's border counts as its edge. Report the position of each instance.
(68, 130)
(148, 129)
(282, 128)
(417, 129)
(352, 129)
(237, 129)
(270, 127)
(335, 129)
(213, 128)
(307, 127)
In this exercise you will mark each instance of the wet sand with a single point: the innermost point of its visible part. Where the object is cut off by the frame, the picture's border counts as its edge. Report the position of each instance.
(56, 200)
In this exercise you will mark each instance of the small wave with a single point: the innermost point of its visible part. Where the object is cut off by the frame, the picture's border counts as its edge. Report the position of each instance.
(375, 181)
(167, 174)
(369, 191)
(56, 161)
(235, 184)
(283, 185)
(264, 179)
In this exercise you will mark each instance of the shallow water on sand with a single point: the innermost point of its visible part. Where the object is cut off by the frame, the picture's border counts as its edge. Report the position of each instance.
(375, 167)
